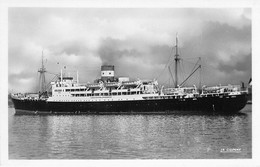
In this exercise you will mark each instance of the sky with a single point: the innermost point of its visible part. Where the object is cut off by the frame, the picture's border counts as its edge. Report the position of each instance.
(138, 41)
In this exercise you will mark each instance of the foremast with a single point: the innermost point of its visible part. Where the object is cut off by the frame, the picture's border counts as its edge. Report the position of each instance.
(42, 71)
(177, 59)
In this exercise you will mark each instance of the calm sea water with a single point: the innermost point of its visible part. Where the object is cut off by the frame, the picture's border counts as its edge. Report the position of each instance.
(130, 136)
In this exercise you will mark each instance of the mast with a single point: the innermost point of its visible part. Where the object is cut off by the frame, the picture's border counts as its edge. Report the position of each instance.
(177, 59)
(42, 70)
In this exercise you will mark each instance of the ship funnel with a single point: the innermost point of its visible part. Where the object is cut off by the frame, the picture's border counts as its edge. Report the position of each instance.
(107, 73)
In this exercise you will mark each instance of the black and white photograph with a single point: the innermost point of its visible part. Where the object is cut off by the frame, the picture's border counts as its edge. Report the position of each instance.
(129, 83)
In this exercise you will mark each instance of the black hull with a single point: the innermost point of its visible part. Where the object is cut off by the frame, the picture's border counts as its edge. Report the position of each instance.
(201, 105)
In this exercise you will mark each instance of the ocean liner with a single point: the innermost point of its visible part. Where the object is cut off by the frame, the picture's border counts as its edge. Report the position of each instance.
(120, 95)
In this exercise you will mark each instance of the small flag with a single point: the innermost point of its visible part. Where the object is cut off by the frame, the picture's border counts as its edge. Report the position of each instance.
(250, 80)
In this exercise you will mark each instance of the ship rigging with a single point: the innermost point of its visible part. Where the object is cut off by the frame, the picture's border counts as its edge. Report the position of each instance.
(120, 95)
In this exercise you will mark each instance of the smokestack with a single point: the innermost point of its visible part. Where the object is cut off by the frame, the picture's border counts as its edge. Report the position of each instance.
(107, 73)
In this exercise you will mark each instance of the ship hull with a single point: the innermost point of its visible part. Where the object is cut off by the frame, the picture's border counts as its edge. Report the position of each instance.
(200, 105)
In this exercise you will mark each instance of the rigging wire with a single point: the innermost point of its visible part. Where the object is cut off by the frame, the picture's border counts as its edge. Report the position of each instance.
(169, 67)
(195, 65)
(38, 82)
(183, 69)
(170, 55)
(49, 84)
(190, 75)
(203, 64)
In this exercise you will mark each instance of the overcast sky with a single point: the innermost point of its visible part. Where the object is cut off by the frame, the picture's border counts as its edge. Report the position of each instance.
(138, 42)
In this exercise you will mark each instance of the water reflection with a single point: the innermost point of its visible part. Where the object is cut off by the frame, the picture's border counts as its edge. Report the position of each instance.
(129, 136)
